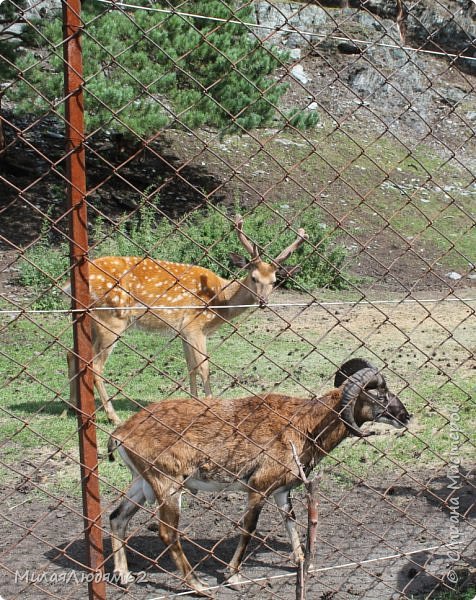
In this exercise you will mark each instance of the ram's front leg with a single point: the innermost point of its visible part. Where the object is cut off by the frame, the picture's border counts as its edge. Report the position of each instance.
(283, 500)
(250, 521)
(169, 497)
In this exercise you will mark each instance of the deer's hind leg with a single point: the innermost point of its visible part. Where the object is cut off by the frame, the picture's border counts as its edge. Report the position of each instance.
(105, 333)
(195, 349)
(105, 336)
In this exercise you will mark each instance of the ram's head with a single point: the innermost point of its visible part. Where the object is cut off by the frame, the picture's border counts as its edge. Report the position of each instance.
(366, 397)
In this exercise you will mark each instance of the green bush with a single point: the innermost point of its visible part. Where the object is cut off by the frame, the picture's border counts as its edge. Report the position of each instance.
(205, 238)
(210, 238)
(302, 119)
(42, 270)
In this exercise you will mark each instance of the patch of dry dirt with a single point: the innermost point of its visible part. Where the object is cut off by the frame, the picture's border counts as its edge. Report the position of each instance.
(369, 524)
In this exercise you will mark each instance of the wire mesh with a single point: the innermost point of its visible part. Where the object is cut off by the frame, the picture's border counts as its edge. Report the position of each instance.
(351, 120)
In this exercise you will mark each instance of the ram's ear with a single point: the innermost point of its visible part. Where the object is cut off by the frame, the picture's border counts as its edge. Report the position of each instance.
(284, 273)
(238, 260)
(349, 368)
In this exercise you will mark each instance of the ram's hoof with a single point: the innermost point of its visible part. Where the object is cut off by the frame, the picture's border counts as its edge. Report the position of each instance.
(200, 586)
(124, 577)
(235, 581)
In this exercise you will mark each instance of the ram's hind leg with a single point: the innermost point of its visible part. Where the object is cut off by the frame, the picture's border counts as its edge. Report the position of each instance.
(283, 500)
(169, 515)
(119, 519)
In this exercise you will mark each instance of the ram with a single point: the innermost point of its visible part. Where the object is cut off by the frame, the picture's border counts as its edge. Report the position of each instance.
(243, 444)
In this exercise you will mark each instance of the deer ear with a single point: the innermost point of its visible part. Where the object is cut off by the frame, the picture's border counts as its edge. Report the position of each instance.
(238, 260)
(284, 273)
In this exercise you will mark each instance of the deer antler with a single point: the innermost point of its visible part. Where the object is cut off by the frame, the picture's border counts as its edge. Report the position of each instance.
(286, 253)
(250, 247)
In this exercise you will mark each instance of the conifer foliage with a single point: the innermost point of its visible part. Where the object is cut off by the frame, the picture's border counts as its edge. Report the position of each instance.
(146, 70)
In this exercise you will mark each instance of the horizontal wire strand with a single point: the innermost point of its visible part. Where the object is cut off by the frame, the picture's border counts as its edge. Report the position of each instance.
(312, 304)
(315, 571)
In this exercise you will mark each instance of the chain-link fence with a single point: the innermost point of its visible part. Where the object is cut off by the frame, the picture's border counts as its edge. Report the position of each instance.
(255, 194)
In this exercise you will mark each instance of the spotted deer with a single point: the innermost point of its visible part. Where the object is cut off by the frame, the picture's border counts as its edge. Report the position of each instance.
(131, 287)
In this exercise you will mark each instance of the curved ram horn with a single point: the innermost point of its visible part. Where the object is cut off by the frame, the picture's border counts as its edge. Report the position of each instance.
(349, 368)
(363, 379)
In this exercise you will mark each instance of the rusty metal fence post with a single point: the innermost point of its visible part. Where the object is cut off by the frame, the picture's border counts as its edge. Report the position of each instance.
(76, 175)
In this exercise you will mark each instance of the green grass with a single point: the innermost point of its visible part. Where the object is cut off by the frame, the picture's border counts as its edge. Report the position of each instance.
(469, 594)
(34, 382)
(420, 196)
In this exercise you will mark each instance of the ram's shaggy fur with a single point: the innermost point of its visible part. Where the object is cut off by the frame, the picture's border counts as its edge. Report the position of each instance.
(242, 444)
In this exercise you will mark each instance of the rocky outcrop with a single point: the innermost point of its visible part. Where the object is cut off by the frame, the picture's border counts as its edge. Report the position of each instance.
(398, 85)
(15, 22)
(35, 9)
(447, 26)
